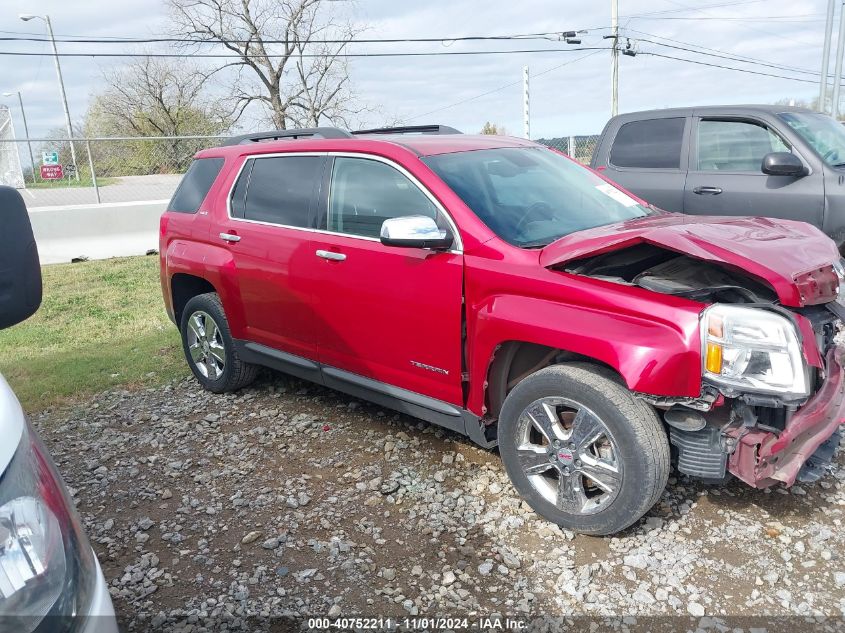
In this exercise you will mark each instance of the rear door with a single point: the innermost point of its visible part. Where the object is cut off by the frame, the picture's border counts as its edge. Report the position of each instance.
(725, 175)
(386, 313)
(268, 230)
(649, 158)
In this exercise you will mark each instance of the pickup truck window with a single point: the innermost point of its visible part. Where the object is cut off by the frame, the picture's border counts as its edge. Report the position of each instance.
(735, 145)
(822, 133)
(649, 144)
(530, 197)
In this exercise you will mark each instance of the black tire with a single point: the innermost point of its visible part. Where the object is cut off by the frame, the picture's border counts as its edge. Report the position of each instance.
(235, 373)
(639, 443)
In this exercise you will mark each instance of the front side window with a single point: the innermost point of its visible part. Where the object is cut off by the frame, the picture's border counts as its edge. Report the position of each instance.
(649, 144)
(532, 196)
(195, 185)
(364, 193)
(735, 145)
(277, 190)
(823, 133)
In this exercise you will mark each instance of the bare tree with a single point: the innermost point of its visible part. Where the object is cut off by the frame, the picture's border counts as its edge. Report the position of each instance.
(156, 97)
(153, 97)
(288, 54)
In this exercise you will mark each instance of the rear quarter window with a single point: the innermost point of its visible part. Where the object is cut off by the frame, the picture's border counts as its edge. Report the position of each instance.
(649, 144)
(195, 185)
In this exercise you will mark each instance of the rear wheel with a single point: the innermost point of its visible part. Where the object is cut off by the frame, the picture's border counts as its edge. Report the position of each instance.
(581, 450)
(209, 347)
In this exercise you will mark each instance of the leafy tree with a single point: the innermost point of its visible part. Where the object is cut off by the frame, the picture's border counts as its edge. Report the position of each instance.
(493, 129)
(153, 97)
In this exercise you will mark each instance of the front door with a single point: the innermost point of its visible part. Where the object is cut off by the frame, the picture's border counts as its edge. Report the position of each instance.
(386, 313)
(726, 178)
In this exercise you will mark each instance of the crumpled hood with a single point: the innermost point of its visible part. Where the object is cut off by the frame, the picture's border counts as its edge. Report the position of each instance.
(781, 252)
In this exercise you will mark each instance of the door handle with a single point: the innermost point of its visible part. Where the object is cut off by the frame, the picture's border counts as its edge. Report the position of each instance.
(228, 237)
(335, 257)
(707, 191)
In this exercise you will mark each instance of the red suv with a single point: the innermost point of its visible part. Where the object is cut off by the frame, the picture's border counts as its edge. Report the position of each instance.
(499, 289)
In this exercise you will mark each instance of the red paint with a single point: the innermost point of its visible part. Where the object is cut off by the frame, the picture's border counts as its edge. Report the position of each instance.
(385, 307)
(762, 459)
(777, 251)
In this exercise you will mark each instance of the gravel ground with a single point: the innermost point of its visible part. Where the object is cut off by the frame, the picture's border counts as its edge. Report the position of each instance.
(291, 499)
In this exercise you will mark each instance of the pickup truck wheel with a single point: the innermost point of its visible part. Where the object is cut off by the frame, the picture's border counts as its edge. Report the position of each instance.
(581, 450)
(209, 348)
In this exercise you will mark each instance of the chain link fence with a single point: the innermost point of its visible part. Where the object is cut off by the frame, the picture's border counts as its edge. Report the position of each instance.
(107, 170)
(137, 169)
(580, 148)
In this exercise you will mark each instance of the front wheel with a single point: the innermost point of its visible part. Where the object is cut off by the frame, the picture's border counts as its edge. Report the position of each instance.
(209, 347)
(581, 450)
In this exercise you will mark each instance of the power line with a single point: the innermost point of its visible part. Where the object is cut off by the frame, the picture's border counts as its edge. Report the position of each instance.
(745, 26)
(741, 70)
(733, 58)
(309, 55)
(81, 39)
(709, 6)
(500, 88)
(753, 60)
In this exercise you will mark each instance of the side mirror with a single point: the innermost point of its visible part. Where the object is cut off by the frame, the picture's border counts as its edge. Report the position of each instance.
(783, 164)
(415, 231)
(20, 270)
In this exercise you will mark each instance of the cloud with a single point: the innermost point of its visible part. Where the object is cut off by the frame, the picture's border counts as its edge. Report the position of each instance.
(574, 99)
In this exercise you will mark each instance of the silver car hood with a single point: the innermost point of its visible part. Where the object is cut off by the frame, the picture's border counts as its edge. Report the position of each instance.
(11, 424)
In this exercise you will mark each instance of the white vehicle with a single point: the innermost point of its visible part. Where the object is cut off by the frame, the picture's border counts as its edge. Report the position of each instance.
(50, 579)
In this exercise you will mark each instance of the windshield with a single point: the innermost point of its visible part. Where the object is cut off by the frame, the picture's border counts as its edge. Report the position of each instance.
(823, 133)
(532, 196)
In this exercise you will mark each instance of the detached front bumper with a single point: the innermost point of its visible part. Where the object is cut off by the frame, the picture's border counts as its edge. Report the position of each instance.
(762, 458)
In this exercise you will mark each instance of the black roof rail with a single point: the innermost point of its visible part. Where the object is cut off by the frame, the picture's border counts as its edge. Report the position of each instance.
(411, 129)
(277, 135)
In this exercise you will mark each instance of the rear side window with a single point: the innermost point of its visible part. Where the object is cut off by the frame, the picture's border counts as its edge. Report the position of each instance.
(278, 190)
(195, 185)
(650, 144)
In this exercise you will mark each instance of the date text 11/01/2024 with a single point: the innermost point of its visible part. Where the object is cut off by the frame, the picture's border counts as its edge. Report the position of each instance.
(417, 623)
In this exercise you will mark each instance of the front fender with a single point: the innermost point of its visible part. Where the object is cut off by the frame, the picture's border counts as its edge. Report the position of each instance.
(658, 354)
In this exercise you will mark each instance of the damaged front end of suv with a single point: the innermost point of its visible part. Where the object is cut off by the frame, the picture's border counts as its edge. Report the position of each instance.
(772, 298)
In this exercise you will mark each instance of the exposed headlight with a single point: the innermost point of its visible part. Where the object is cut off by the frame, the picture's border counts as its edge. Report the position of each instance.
(47, 568)
(752, 349)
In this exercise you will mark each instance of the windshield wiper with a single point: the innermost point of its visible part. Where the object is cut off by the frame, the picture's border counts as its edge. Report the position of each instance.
(535, 244)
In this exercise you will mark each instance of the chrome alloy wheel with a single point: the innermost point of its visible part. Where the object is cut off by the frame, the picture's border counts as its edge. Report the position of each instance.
(205, 344)
(568, 455)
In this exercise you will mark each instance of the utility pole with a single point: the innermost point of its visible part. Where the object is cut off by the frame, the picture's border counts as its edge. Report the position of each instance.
(25, 130)
(26, 17)
(614, 58)
(526, 105)
(828, 33)
(837, 72)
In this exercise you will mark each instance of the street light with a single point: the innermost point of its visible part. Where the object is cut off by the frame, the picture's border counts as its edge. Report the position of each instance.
(25, 130)
(26, 17)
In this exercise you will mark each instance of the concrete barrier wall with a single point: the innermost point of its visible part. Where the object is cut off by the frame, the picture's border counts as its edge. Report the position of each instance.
(96, 231)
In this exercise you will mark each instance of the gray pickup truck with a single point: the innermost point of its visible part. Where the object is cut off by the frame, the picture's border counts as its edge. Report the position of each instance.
(763, 160)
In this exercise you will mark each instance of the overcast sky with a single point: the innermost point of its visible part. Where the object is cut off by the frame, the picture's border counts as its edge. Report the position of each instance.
(572, 99)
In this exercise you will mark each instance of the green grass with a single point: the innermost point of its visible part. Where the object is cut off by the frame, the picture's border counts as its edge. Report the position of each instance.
(83, 181)
(101, 324)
